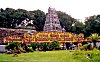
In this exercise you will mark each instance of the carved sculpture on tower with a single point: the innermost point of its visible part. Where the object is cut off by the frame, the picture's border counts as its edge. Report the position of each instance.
(52, 22)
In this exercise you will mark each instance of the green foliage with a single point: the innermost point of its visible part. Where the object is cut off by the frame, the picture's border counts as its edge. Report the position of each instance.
(12, 45)
(78, 27)
(81, 55)
(34, 45)
(39, 19)
(45, 46)
(94, 37)
(53, 56)
(27, 49)
(10, 18)
(21, 50)
(66, 20)
(84, 47)
(54, 44)
(92, 25)
(29, 45)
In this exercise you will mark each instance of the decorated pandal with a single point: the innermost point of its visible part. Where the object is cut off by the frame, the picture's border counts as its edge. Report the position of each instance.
(46, 37)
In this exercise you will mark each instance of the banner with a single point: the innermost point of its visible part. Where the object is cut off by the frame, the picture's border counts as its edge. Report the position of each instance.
(47, 37)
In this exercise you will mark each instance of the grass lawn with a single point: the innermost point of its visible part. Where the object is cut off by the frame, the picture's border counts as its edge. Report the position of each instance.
(53, 56)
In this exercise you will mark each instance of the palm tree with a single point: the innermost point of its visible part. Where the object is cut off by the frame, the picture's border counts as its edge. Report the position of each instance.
(94, 37)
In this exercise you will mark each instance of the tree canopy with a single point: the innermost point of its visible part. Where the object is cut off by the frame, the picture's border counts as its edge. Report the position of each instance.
(92, 25)
(66, 20)
(10, 18)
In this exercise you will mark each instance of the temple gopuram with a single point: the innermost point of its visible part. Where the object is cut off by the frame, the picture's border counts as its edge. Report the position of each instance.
(52, 32)
(52, 22)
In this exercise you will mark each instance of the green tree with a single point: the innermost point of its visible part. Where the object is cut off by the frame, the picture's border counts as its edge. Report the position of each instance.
(66, 20)
(10, 18)
(91, 26)
(39, 19)
(78, 27)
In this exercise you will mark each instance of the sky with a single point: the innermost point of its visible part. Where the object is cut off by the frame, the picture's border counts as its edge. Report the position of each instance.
(78, 9)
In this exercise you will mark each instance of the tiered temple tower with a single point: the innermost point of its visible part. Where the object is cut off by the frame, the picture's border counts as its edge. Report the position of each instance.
(52, 22)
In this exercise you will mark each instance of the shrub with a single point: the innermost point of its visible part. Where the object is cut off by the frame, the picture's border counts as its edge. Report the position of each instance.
(27, 49)
(21, 49)
(45, 46)
(29, 45)
(54, 45)
(84, 47)
(34, 45)
(12, 45)
(17, 51)
(94, 37)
